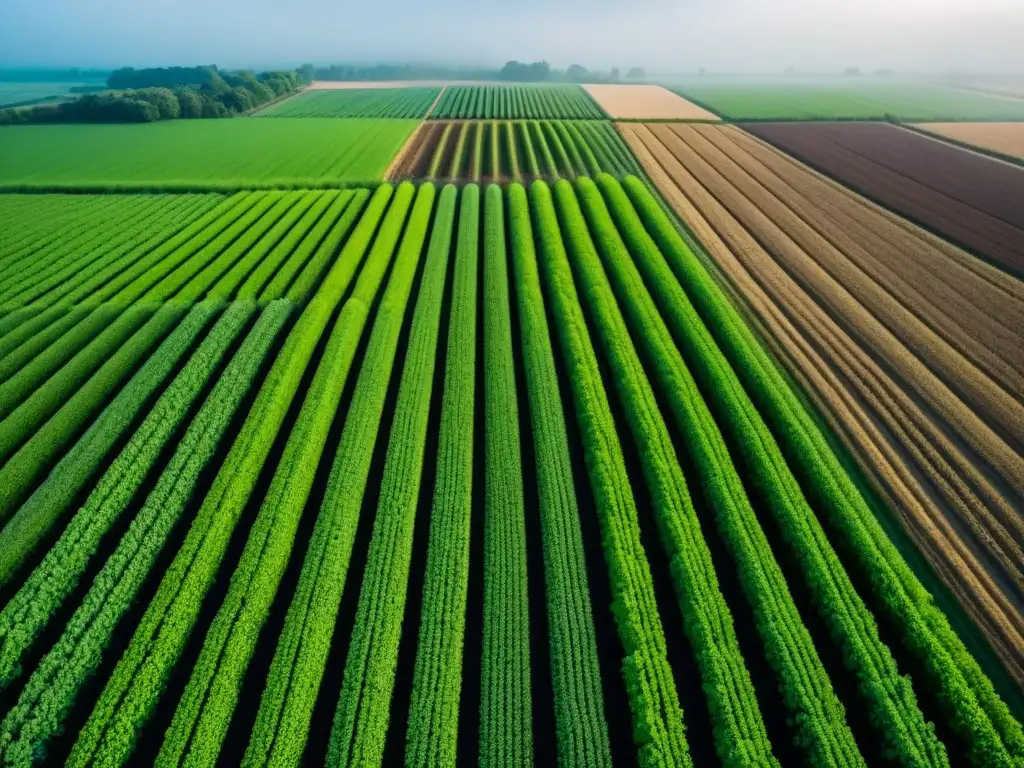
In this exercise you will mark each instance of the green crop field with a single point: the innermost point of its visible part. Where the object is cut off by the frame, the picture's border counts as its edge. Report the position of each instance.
(199, 154)
(875, 100)
(432, 475)
(522, 149)
(356, 102)
(21, 93)
(516, 102)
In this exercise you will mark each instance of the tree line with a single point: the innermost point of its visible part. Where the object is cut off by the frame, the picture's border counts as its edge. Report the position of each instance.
(166, 93)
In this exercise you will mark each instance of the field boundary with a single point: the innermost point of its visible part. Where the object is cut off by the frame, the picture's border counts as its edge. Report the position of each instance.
(989, 153)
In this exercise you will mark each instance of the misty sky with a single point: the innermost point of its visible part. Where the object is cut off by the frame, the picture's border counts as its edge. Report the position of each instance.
(746, 36)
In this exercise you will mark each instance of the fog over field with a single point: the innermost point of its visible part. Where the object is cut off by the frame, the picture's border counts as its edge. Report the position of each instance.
(736, 36)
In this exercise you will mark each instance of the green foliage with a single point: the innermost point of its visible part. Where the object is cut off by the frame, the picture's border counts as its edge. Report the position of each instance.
(576, 674)
(55, 684)
(204, 711)
(50, 501)
(201, 155)
(132, 691)
(432, 737)
(974, 710)
(506, 719)
(657, 717)
(407, 103)
(516, 102)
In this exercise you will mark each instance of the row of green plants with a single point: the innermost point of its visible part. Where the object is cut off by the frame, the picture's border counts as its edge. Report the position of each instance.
(434, 708)
(506, 712)
(131, 693)
(582, 731)
(516, 102)
(407, 103)
(204, 711)
(56, 683)
(293, 684)
(642, 330)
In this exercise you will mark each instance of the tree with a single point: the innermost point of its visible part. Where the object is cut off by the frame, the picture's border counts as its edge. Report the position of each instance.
(852, 72)
(636, 73)
(307, 73)
(576, 73)
(615, 74)
(190, 104)
(163, 100)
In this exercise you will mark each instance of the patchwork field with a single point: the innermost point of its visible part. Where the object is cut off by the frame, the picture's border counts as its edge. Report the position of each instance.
(516, 102)
(1001, 138)
(356, 102)
(505, 150)
(199, 154)
(308, 457)
(648, 102)
(902, 340)
(836, 100)
(970, 199)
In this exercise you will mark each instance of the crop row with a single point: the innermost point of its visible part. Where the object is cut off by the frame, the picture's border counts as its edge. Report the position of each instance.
(502, 150)
(357, 102)
(516, 102)
(526, 327)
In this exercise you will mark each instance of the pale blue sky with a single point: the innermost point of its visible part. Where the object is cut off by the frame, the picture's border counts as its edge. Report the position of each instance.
(663, 35)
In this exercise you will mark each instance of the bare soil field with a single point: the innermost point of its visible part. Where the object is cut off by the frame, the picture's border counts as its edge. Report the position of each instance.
(1004, 138)
(971, 199)
(908, 346)
(645, 102)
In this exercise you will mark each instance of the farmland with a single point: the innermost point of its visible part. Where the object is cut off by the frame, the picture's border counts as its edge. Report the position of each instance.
(1005, 139)
(405, 103)
(648, 102)
(521, 149)
(839, 100)
(26, 93)
(197, 155)
(969, 199)
(250, 422)
(516, 102)
(893, 335)
(460, 424)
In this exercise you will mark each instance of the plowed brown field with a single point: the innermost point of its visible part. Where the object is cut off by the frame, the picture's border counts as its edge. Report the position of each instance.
(908, 346)
(971, 199)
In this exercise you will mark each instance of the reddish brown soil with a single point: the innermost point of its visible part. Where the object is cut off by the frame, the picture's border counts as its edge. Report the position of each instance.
(973, 200)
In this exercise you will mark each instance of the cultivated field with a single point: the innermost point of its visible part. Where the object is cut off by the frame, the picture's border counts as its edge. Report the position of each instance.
(504, 150)
(834, 100)
(516, 102)
(966, 197)
(648, 102)
(26, 93)
(199, 154)
(308, 457)
(910, 348)
(1001, 138)
(356, 102)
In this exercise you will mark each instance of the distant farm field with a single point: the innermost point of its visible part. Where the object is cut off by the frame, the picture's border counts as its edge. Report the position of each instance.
(647, 102)
(356, 102)
(20, 93)
(856, 101)
(516, 102)
(1001, 138)
(970, 199)
(200, 154)
(521, 149)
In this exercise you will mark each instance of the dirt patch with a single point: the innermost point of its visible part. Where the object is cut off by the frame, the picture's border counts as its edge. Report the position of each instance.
(645, 102)
(1004, 138)
(869, 315)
